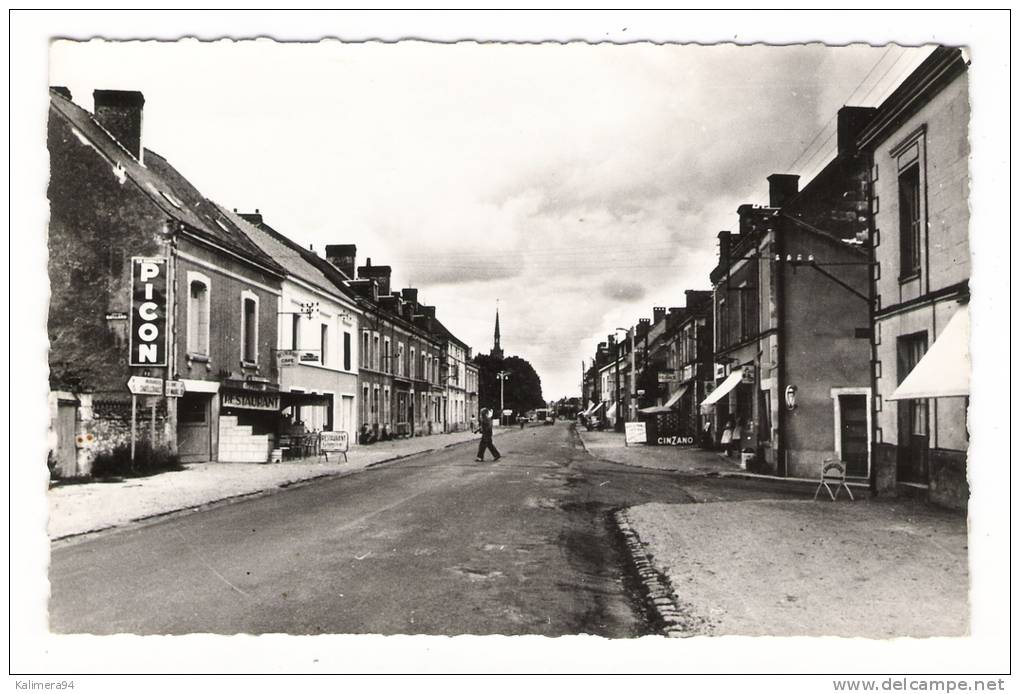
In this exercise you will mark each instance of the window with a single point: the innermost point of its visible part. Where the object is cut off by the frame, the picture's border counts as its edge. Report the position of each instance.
(295, 332)
(413, 364)
(387, 357)
(198, 314)
(347, 351)
(723, 321)
(323, 343)
(249, 327)
(400, 358)
(375, 351)
(363, 359)
(910, 221)
(910, 349)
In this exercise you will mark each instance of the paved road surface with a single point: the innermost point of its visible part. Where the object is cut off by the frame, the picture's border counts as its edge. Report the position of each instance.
(435, 544)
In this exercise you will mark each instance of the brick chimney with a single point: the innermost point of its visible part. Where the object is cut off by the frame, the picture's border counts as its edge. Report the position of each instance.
(120, 113)
(850, 121)
(782, 187)
(724, 247)
(379, 273)
(642, 328)
(251, 217)
(410, 294)
(658, 313)
(343, 257)
(63, 91)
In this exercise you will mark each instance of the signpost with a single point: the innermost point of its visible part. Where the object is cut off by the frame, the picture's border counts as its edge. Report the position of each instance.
(634, 432)
(334, 442)
(143, 385)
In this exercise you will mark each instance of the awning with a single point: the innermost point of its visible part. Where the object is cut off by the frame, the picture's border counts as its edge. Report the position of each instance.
(591, 408)
(290, 399)
(725, 387)
(595, 410)
(668, 407)
(944, 370)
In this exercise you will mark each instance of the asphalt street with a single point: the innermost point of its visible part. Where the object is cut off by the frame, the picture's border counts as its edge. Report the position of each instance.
(433, 544)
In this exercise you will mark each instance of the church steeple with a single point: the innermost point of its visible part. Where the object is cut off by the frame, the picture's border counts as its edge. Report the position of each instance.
(497, 351)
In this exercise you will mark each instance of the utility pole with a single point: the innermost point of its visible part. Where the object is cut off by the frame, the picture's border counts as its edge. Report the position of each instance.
(502, 376)
(633, 379)
(619, 420)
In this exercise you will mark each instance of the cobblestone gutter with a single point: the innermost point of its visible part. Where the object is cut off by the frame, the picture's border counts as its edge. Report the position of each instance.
(675, 618)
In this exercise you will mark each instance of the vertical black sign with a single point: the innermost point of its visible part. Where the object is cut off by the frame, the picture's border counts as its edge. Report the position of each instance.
(148, 312)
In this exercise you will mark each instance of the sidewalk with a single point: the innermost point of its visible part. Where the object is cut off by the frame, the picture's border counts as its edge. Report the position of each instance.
(75, 509)
(870, 568)
(609, 445)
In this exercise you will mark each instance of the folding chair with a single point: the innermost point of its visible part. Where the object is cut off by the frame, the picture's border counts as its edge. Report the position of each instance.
(833, 473)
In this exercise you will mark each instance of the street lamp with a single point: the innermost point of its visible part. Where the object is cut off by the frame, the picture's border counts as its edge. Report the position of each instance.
(502, 376)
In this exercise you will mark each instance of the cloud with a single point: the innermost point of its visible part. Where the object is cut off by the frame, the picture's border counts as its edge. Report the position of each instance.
(623, 290)
(577, 184)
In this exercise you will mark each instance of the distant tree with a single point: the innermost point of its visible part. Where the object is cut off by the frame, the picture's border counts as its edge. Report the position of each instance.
(522, 390)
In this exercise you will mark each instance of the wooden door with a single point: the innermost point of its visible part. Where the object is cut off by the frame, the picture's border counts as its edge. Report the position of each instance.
(194, 430)
(854, 434)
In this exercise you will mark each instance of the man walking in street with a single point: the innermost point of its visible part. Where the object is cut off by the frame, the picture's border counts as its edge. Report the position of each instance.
(486, 442)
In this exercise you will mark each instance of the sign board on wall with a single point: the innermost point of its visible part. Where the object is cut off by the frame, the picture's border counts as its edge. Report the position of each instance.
(147, 332)
(681, 440)
(747, 373)
(635, 432)
(286, 358)
(249, 400)
(665, 376)
(174, 389)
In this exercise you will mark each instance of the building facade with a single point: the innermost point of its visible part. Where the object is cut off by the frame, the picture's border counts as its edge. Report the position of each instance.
(919, 147)
(316, 355)
(151, 282)
(791, 315)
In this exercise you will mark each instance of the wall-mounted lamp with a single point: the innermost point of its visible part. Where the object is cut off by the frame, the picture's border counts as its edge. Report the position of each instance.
(791, 397)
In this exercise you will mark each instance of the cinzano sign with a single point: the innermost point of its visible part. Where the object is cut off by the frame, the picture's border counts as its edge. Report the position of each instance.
(148, 339)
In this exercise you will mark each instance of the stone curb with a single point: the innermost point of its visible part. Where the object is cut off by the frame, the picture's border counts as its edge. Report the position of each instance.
(213, 503)
(660, 598)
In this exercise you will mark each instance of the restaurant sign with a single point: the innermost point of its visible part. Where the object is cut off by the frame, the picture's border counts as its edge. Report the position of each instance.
(148, 337)
(249, 400)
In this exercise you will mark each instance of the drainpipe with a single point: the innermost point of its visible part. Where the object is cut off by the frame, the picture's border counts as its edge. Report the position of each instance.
(780, 278)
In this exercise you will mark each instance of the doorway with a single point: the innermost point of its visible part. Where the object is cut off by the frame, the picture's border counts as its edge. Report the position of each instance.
(194, 433)
(853, 430)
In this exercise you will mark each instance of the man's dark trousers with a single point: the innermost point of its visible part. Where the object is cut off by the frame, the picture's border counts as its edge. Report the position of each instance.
(486, 443)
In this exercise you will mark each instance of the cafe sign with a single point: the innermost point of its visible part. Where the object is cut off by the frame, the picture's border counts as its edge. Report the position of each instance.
(147, 333)
(249, 400)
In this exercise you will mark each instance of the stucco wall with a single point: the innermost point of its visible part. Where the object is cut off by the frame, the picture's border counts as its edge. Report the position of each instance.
(945, 249)
(821, 348)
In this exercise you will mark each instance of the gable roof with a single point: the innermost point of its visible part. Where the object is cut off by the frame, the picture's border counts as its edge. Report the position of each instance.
(294, 259)
(164, 185)
(443, 331)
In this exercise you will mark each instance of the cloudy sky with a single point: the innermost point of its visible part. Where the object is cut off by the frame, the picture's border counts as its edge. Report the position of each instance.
(579, 185)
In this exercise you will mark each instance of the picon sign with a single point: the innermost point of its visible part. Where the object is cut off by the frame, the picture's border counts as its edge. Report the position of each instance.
(148, 334)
